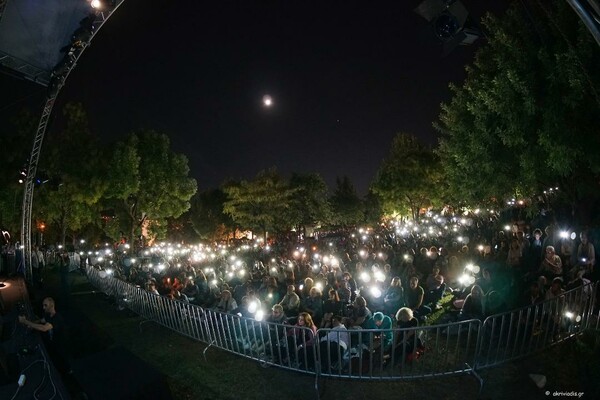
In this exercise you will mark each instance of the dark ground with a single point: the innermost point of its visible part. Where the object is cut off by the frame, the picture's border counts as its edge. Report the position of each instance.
(97, 327)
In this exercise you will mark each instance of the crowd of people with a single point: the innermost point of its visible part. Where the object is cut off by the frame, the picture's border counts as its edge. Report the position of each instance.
(396, 275)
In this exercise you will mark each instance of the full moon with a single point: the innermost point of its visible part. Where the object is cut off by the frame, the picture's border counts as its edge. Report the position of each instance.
(267, 100)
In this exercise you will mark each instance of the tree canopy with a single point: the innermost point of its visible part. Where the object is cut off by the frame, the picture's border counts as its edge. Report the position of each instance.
(409, 177)
(148, 183)
(525, 118)
(258, 204)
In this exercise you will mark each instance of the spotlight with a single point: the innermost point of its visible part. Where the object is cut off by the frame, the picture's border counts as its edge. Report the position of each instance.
(103, 5)
(450, 22)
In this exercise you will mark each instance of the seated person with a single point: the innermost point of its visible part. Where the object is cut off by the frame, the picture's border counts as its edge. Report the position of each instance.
(334, 345)
(298, 338)
(435, 289)
(394, 297)
(191, 290)
(405, 342)
(414, 296)
(473, 307)
(551, 266)
(383, 322)
(313, 304)
(291, 302)
(360, 314)
(227, 303)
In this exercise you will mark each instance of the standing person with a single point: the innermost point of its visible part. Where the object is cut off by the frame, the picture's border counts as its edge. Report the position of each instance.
(586, 255)
(37, 265)
(63, 267)
(536, 252)
(53, 329)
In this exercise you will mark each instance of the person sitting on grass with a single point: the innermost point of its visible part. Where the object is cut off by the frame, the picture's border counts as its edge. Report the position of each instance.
(435, 289)
(290, 302)
(334, 344)
(474, 305)
(405, 341)
(394, 297)
(383, 322)
(332, 306)
(227, 303)
(414, 299)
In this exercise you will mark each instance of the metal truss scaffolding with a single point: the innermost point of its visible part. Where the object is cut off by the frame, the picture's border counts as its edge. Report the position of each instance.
(80, 41)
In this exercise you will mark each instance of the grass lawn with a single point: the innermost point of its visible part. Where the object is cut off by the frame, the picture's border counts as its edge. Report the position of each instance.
(96, 324)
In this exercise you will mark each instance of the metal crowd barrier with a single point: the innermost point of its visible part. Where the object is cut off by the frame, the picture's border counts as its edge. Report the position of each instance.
(462, 347)
(522, 332)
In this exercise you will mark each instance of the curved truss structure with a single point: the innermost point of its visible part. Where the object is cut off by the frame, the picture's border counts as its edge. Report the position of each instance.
(80, 41)
(589, 12)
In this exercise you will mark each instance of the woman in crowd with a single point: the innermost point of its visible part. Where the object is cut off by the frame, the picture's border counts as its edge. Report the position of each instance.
(300, 336)
(313, 305)
(332, 306)
(474, 305)
(394, 297)
(405, 342)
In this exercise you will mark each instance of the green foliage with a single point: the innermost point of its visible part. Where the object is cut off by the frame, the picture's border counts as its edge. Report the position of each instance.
(15, 140)
(148, 183)
(207, 216)
(259, 204)
(72, 158)
(308, 204)
(409, 178)
(525, 117)
(347, 207)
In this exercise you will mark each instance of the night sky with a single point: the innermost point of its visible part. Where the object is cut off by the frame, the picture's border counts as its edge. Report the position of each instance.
(345, 78)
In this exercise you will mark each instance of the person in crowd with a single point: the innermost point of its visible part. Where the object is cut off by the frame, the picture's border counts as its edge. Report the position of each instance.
(37, 265)
(300, 336)
(360, 313)
(534, 295)
(227, 303)
(551, 237)
(551, 266)
(586, 255)
(334, 344)
(332, 306)
(349, 283)
(305, 288)
(414, 297)
(523, 242)
(54, 334)
(394, 297)
(313, 305)
(536, 251)
(191, 290)
(271, 295)
(474, 305)
(177, 295)
(485, 281)
(290, 302)
(515, 254)
(405, 341)
(435, 289)
(384, 323)
(151, 287)
(556, 290)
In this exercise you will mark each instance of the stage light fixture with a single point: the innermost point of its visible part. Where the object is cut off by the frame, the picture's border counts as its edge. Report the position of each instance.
(450, 22)
(102, 5)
